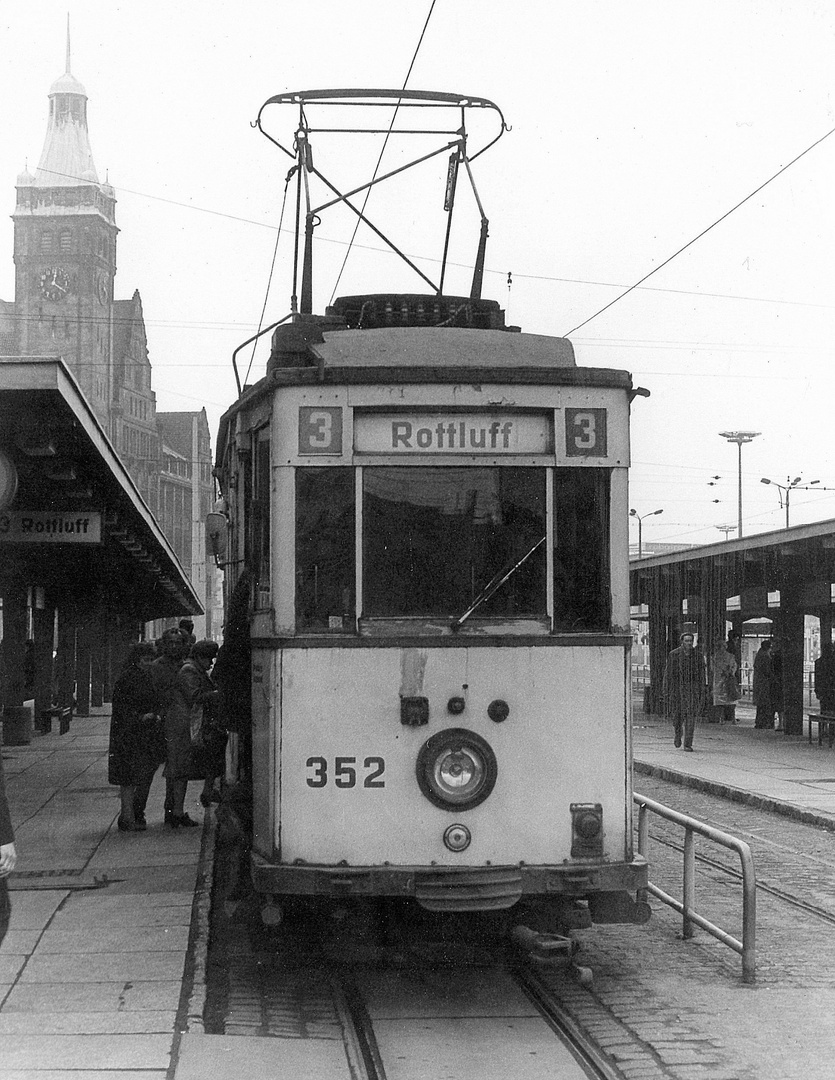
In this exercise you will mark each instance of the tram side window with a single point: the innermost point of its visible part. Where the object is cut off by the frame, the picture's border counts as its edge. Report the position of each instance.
(436, 539)
(325, 564)
(582, 599)
(260, 517)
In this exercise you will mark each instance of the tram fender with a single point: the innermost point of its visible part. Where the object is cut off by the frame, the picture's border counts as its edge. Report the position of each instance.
(618, 907)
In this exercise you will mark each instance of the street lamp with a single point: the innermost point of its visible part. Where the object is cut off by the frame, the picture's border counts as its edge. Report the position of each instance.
(739, 437)
(640, 517)
(788, 487)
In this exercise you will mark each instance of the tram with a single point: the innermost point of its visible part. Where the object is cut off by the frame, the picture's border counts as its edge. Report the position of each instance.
(429, 508)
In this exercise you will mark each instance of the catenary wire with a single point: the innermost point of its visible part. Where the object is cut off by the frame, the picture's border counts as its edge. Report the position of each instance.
(467, 266)
(704, 232)
(382, 152)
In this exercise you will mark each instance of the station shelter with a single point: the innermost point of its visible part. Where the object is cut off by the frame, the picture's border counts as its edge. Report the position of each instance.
(84, 564)
(781, 576)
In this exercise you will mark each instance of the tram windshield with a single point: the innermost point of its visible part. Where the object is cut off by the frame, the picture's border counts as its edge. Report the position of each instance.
(446, 542)
(434, 538)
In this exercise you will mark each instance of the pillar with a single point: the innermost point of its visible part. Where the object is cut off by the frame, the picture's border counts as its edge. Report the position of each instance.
(13, 646)
(43, 618)
(83, 653)
(790, 637)
(65, 654)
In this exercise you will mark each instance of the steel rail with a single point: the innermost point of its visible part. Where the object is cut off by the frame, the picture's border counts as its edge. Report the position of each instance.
(585, 1051)
(770, 890)
(747, 947)
(357, 1030)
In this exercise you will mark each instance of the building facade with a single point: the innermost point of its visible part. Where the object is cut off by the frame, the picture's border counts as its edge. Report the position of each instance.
(65, 236)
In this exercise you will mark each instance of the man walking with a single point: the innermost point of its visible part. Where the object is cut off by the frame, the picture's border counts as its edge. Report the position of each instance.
(685, 689)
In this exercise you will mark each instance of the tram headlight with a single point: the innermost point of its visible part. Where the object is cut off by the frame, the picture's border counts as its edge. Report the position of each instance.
(456, 769)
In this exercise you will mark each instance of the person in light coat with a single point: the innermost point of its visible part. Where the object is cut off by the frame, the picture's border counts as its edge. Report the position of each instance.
(725, 685)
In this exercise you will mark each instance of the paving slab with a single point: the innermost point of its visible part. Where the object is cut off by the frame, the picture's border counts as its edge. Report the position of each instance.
(84, 1074)
(213, 1057)
(147, 1022)
(125, 939)
(101, 967)
(89, 1052)
(93, 997)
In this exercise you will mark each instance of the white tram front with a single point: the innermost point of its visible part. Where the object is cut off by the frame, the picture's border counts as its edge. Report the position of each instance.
(434, 524)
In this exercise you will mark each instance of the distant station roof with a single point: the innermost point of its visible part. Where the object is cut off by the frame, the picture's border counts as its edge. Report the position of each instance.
(71, 518)
(799, 562)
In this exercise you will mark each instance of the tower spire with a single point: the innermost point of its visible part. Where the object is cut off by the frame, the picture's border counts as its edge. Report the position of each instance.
(68, 44)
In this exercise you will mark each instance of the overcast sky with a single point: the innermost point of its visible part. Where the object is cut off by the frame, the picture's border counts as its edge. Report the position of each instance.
(635, 126)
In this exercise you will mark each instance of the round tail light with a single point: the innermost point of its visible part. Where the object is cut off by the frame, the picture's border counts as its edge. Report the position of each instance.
(456, 769)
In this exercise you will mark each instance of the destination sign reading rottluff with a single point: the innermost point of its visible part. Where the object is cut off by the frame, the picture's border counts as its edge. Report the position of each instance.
(43, 527)
(452, 433)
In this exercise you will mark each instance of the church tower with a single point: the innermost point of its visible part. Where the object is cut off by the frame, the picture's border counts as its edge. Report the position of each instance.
(65, 251)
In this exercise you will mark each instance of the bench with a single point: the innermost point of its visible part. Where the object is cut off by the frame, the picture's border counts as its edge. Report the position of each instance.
(61, 713)
(823, 720)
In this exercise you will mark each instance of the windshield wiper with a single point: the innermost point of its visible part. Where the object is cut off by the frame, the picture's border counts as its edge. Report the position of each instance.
(493, 585)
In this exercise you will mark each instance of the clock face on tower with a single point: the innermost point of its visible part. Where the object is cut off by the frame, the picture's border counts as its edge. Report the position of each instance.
(54, 283)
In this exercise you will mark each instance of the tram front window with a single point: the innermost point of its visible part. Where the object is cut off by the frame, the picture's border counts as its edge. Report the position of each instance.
(325, 549)
(435, 538)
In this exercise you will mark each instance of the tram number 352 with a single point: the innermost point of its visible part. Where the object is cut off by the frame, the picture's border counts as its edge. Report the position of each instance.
(345, 772)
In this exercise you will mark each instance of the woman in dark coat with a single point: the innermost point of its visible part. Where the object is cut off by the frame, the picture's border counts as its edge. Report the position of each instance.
(194, 694)
(8, 856)
(135, 747)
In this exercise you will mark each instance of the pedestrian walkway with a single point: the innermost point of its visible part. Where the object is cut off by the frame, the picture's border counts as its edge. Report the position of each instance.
(783, 773)
(100, 971)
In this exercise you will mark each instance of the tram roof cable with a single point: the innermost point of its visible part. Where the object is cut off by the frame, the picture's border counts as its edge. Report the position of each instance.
(704, 232)
(382, 152)
(270, 276)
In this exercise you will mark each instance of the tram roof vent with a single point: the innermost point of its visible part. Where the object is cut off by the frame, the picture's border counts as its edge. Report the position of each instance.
(377, 311)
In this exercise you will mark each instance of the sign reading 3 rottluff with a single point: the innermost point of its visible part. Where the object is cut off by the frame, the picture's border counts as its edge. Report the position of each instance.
(49, 527)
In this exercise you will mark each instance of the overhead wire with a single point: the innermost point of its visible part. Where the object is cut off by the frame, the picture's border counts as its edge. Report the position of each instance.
(704, 232)
(382, 152)
(487, 270)
(270, 275)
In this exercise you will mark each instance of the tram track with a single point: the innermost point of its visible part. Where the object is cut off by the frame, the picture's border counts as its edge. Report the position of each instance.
(762, 887)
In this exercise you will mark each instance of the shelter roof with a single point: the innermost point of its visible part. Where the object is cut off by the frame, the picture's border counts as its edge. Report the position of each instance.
(68, 469)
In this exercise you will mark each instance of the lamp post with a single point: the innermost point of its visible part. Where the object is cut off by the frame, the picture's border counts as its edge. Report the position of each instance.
(787, 488)
(740, 437)
(640, 518)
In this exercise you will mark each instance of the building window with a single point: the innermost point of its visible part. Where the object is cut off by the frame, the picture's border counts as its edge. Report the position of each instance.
(66, 240)
(46, 243)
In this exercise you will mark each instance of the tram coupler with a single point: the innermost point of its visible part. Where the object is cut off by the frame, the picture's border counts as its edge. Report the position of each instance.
(541, 946)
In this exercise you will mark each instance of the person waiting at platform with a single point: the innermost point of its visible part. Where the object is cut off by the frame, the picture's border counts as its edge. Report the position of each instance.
(825, 678)
(136, 745)
(186, 731)
(725, 685)
(172, 648)
(764, 687)
(685, 689)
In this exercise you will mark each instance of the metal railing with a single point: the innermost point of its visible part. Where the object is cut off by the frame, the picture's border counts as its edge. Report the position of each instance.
(685, 906)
